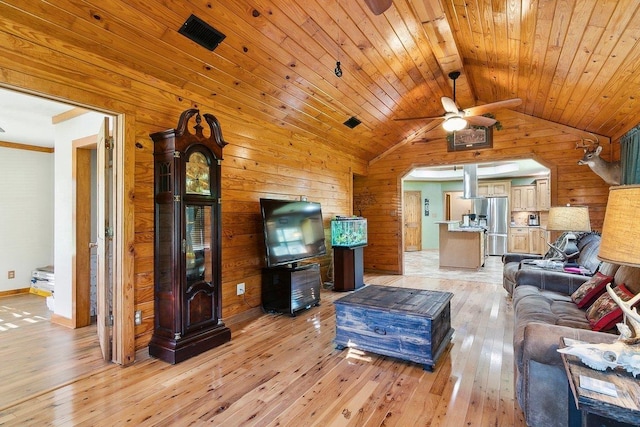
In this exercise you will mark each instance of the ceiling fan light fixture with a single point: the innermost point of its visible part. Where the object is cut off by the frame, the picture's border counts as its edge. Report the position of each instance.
(453, 124)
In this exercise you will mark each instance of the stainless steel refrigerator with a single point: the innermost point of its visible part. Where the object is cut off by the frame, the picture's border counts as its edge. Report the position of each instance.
(496, 210)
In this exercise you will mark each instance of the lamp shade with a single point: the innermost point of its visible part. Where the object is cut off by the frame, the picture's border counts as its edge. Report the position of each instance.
(569, 218)
(620, 242)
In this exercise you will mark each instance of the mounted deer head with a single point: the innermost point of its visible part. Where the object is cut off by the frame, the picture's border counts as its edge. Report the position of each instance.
(608, 171)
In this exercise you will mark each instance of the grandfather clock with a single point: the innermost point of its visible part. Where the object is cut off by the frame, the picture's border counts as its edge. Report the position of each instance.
(187, 264)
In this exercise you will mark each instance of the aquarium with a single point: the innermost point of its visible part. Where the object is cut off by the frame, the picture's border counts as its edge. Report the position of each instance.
(348, 231)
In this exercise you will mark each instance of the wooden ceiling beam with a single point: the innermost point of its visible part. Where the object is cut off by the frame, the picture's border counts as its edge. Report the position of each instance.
(440, 36)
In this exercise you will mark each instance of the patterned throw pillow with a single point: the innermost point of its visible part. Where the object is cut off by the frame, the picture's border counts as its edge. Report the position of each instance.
(605, 313)
(590, 290)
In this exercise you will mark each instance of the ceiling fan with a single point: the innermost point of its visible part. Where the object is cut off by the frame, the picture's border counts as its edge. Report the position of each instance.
(456, 119)
(378, 6)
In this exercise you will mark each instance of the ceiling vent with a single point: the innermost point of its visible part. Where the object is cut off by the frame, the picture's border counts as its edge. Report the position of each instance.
(202, 33)
(352, 122)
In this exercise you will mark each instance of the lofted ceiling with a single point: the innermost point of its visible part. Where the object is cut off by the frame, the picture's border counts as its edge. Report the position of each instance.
(573, 62)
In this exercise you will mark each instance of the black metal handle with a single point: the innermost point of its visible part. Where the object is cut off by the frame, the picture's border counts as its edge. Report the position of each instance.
(379, 331)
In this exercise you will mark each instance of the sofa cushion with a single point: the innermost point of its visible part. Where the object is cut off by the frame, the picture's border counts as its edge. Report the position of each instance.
(589, 246)
(590, 290)
(609, 269)
(605, 313)
(630, 276)
(534, 305)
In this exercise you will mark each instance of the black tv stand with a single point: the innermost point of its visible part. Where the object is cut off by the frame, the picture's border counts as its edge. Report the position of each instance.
(289, 289)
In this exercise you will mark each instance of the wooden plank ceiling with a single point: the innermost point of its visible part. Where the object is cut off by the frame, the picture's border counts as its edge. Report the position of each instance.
(573, 62)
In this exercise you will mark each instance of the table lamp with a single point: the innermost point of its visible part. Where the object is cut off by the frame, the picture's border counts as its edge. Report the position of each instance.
(620, 242)
(569, 219)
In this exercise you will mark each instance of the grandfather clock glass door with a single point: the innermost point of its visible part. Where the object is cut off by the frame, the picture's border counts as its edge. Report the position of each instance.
(200, 214)
(188, 250)
(198, 264)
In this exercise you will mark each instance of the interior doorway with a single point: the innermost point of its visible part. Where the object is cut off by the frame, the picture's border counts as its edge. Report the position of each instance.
(85, 153)
(94, 213)
(75, 158)
(456, 206)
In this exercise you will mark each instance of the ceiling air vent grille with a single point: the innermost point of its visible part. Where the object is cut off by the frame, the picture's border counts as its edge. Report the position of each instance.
(202, 33)
(352, 122)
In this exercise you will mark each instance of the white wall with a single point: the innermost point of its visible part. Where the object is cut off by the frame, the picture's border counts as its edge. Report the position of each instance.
(26, 215)
(65, 133)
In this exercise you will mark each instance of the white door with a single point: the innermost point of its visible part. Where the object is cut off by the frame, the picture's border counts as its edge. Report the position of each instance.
(105, 215)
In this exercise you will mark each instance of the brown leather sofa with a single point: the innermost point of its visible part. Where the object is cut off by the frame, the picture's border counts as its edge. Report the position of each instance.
(588, 246)
(544, 313)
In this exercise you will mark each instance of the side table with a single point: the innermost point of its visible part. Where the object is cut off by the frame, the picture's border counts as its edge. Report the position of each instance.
(590, 406)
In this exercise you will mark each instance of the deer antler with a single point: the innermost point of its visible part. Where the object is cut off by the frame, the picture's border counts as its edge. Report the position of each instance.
(631, 314)
(592, 144)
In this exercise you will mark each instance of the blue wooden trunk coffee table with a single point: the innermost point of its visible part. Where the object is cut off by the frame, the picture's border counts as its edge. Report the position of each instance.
(409, 324)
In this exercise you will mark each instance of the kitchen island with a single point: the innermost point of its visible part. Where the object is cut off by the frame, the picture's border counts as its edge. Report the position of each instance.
(461, 247)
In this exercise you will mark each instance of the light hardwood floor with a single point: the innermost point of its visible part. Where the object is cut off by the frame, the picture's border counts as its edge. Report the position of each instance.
(277, 370)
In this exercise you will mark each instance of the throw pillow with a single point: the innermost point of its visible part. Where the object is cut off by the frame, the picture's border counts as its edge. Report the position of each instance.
(590, 290)
(605, 313)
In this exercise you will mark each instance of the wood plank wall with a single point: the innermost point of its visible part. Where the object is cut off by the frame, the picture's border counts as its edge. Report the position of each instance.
(378, 196)
(264, 158)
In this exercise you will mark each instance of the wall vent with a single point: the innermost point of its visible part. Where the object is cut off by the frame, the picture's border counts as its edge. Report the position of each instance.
(352, 122)
(202, 33)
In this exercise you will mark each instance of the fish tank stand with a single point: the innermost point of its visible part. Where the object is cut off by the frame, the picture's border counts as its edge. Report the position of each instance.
(348, 268)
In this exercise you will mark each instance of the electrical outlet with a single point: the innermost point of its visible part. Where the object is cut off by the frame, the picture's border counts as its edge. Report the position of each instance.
(138, 317)
(12, 274)
(240, 289)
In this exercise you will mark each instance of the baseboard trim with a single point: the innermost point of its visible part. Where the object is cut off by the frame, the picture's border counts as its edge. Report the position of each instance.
(63, 321)
(14, 292)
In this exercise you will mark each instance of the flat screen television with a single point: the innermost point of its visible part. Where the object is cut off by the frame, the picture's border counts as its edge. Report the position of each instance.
(293, 231)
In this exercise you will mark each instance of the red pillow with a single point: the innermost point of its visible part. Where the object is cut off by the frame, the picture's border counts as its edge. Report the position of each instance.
(590, 290)
(605, 313)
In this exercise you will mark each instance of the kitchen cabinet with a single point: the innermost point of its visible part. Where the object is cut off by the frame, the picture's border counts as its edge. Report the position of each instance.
(494, 188)
(537, 241)
(543, 194)
(523, 198)
(519, 240)
(528, 240)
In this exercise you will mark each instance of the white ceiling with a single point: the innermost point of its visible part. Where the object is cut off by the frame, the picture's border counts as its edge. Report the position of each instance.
(506, 169)
(26, 119)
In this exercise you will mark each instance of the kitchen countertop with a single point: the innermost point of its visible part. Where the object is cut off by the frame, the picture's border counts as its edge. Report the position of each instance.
(455, 226)
(469, 229)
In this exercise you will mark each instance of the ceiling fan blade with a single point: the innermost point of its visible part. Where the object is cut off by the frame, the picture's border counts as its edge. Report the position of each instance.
(1, 130)
(378, 6)
(493, 106)
(480, 121)
(418, 118)
(449, 105)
